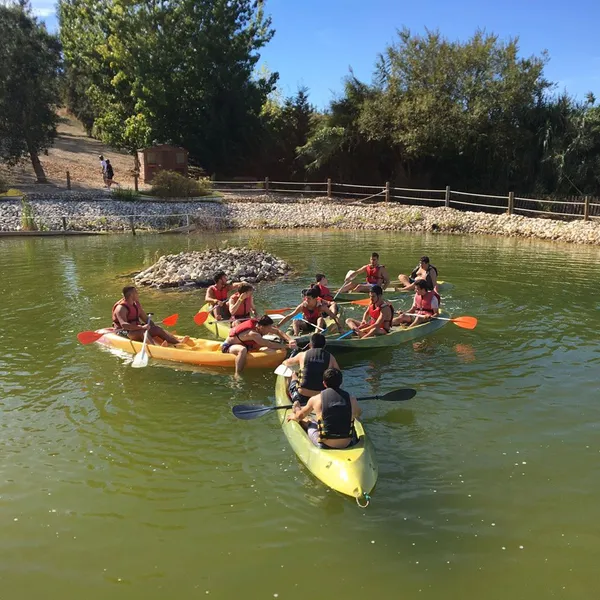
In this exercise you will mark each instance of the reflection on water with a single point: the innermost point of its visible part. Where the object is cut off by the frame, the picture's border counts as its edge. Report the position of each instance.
(140, 483)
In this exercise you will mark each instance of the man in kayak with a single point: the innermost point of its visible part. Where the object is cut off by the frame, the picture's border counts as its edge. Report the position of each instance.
(376, 274)
(131, 322)
(313, 363)
(216, 295)
(335, 411)
(425, 305)
(377, 319)
(248, 335)
(312, 310)
(424, 270)
(241, 304)
(321, 285)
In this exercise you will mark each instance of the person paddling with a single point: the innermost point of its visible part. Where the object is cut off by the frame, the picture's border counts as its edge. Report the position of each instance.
(377, 319)
(425, 304)
(335, 411)
(312, 310)
(216, 295)
(424, 270)
(241, 304)
(376, 274)
(131, 322)
(313, 363)
(321, 285)
(249, 335)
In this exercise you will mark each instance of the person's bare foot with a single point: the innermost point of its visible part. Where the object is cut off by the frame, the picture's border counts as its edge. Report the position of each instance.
(186, 340)
(165, 343)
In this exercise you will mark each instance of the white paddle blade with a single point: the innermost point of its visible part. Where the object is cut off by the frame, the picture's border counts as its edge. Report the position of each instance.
(277, 317)
(284, 371)
(140, 360)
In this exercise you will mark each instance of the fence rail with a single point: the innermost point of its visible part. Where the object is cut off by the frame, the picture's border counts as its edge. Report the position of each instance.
(574, 207)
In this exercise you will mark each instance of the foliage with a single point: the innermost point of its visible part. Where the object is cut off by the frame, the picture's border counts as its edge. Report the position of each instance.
(27, 216)
(29, 70)
(257, 242)
(125, 194)
(177, 72)
(168, 184)
(12, 193)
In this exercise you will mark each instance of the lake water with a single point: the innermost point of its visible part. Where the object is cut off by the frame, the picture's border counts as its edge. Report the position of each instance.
(140, 484)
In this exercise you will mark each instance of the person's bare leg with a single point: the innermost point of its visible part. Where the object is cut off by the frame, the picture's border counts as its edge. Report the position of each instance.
(157, 331)
(297, 326)
(138, 336)
(240, 352)
(353, 324)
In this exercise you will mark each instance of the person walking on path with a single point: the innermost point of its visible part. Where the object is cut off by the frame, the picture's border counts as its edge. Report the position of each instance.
(103, 167)
(110, 175)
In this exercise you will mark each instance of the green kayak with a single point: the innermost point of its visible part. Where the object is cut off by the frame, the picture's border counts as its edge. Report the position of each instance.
(349, 296)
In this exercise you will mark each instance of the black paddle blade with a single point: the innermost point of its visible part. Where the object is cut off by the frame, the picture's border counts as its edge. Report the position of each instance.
(247, 412)
(399, 395)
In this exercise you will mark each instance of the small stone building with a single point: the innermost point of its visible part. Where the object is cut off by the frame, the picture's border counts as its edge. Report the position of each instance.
(162, 158)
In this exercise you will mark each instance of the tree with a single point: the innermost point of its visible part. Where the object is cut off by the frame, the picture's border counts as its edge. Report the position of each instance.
(29, 93)
(178, 72)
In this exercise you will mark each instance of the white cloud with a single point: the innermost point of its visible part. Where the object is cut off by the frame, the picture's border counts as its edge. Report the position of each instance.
(44, 12)
(43, 8)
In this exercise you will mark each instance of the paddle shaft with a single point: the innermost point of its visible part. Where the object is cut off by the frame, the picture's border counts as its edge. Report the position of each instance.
(142, 353)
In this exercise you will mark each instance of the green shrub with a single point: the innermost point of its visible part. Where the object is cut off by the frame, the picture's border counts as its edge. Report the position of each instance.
(125, 194)
(27, 218)
(168, 184)
(257, 242)
(12, 193)
(3, 185)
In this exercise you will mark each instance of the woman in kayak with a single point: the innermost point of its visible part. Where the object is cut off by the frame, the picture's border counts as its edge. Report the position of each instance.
(313, 363)
(131, 322)
(377, 319)
(335, 411)
(241, 304)
(312, 310)
(425, 305)
(248, 336)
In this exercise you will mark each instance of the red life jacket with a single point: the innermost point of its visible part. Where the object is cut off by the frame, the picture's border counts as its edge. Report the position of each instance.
(423, 303)
(375, 312)
(248, 325)
(324, 292)
(311, 315)
(219, 294)
(133, 313)
(373, 275)
(244, 308)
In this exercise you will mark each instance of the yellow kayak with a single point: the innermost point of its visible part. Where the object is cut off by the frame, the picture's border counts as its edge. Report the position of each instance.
(204, 352)
(351, 471)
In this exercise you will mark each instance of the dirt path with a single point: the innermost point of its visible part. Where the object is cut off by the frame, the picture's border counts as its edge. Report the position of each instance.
(77, 153)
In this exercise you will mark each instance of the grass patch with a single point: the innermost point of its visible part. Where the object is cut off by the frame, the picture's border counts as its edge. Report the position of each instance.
(168, 184)
(125, 194)
(257, 242)
(27, 217)
(12, 193)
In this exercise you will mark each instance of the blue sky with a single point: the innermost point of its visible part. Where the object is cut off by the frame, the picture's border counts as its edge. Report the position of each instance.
(317, 41)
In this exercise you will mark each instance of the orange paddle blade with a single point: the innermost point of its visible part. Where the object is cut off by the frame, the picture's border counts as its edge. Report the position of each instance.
(274, 311)
(465, 322)
(363, 302)
(200, 318)
(89, 337)
(170, 320)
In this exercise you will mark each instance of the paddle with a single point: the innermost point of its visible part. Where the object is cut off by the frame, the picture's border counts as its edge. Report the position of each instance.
(200, 317)
(274, 311)
(462, 322)
(298, 317)
(345, 335)
(246, 412)
(140, 360)
(89, 337)
(348, 277)
(283, 370)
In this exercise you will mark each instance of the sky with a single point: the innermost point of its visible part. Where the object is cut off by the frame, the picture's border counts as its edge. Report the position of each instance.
(316, 42)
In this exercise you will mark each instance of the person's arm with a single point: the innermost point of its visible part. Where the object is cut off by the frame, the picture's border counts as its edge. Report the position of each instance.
(433, 275)
(356, 409)
(385, 278)
(435, 305)
(287, 318)
(335, 318)
(252, 307)
(121, 314)
(292, 361)
(233, 306)
(236, 285)
(284, 336)
(333, 364)
(262, 342)
(142, 314)
(305, 410)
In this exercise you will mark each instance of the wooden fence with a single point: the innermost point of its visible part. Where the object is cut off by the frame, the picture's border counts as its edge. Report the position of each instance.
(585, 207)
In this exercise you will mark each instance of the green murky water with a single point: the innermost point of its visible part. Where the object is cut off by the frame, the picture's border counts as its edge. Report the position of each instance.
(125, 483)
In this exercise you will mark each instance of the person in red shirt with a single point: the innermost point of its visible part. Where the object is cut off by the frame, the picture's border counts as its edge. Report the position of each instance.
(377, 319)
(241, 304)
(376, 274)
(312, 310)
(426, 305)
(322, 286)
(216, 295)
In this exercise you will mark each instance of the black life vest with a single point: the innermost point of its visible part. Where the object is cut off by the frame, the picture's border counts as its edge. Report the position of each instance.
(336, 415)
(428, 279)
(316, 362)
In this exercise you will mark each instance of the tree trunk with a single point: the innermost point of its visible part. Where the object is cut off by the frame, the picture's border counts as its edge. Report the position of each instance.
(37, 165)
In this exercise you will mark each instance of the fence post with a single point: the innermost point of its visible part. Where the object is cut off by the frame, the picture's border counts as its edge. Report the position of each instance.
(329, 187)
(187, 222)
(267, 185)
(586, 208)
(135, 183)
(511, 202)
(447, 198)
(131, 225)
(64, 222)
(68, 180)
(387, 191)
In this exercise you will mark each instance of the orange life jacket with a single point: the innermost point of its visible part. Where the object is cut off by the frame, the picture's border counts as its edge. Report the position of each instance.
(373, 275)
(133, 313)
(243, 309)
(248, 325)
(375, 313)
(219, 294)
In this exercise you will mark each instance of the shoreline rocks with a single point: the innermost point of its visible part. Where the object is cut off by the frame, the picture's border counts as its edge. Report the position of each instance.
(262, 211)
(196, 269)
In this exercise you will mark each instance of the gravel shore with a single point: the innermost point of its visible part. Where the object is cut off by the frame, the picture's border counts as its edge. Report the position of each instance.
(87, 211)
